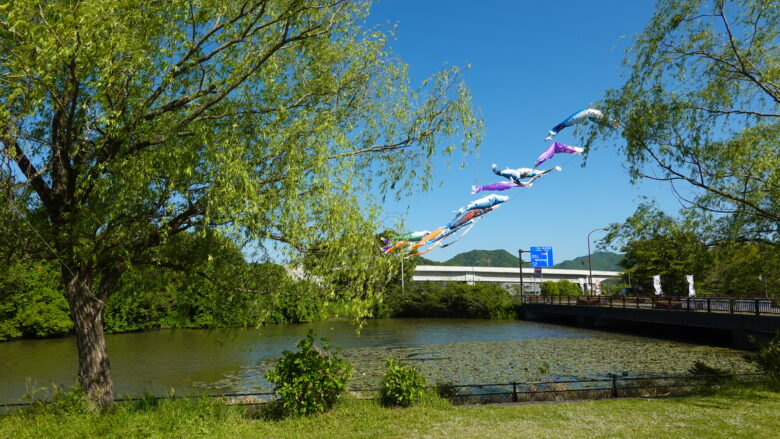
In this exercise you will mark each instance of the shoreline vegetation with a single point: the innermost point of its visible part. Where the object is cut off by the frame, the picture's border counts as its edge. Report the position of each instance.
(731, 411)
(34, 305)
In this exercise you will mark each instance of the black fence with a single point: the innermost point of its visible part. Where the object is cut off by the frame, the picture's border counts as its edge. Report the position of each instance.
(564, 390)
(756, 306)
(612, 387)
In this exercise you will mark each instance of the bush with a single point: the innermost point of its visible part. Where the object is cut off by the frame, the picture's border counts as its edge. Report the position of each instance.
(768, 356)
(401, 385)
(59, 401)
(446, 389)
(453, 299)
(32, 301)
(560, 288)
(549, 288)
(310, 380)
(710, 375)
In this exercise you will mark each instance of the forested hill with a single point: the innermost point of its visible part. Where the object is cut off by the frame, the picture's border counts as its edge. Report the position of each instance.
(606, 261)
(478, 258)
(501, 258)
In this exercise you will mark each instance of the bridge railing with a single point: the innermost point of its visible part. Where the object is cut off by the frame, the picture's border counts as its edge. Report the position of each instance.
(756, 306)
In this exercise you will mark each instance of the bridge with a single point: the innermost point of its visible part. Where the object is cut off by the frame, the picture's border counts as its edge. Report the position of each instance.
(732, 319)
(716, 316)
(507, 276)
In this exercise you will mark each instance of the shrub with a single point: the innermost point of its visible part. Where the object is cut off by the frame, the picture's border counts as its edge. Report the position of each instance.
(401, 385)
(549, 288)
(567, 288)
(710, 375)
(560, 288)
(446, 389)
(768, 356)
(32, 301)
(310, 380)
(452, 299)
(146, 401)
(62, 402)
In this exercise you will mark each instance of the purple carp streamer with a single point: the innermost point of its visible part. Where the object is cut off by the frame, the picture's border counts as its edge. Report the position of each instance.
(396, 246)
(514, 176)
(588, 113)
(386, 244)
(557, 148)
(499, 186)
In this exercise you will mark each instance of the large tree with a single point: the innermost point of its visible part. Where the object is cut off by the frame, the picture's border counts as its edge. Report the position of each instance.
(700, 108)
(276, 122)
(655, 243)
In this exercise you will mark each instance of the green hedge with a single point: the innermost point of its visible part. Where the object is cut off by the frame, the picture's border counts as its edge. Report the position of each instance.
(429, 299)
(561, 288)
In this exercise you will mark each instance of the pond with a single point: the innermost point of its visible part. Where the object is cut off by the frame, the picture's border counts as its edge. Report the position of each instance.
(465, 351)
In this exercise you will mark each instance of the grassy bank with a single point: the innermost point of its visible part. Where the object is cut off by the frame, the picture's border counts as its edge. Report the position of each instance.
(729, 413)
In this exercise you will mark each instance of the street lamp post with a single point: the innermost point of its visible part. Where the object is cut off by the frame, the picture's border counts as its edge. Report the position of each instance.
(590, 266)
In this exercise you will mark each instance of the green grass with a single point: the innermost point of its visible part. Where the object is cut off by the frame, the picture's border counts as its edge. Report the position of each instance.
(749, 412)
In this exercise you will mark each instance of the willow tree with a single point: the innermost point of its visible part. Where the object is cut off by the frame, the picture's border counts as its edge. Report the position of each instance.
(275, 122)
(700, 108)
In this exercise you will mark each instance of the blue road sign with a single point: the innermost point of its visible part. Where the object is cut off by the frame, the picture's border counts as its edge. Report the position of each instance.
(542, 256)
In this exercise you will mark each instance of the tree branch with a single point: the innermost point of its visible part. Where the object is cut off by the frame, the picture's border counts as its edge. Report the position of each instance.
(30, 172)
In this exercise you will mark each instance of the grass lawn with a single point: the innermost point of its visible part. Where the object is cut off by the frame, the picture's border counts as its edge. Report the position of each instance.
(730, 413)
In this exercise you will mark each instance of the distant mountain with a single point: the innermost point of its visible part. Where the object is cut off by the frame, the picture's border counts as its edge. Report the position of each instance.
(484, 258)
(606, 261)
(422, 261)
(478, 258)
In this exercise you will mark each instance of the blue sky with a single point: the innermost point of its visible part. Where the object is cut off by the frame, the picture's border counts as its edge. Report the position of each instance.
(532, 64)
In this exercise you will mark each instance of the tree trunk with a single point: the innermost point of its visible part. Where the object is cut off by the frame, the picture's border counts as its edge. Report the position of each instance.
(86, 311)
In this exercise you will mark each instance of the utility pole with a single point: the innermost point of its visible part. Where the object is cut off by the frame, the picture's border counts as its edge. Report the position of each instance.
(402, 274)
(520, 266)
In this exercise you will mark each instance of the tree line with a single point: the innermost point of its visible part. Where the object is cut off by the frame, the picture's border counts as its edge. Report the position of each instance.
(655, 243)
(33, 302)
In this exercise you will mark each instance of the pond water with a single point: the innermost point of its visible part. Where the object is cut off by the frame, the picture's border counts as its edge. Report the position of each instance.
(460, 350)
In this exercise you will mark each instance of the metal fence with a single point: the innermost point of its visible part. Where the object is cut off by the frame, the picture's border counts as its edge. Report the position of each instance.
(755, 306)
(581, 389)
(612, 387)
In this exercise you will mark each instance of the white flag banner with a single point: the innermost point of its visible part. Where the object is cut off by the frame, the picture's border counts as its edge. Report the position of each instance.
(597, 288)
(657, 284)
(581, 281)
(691, 290)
